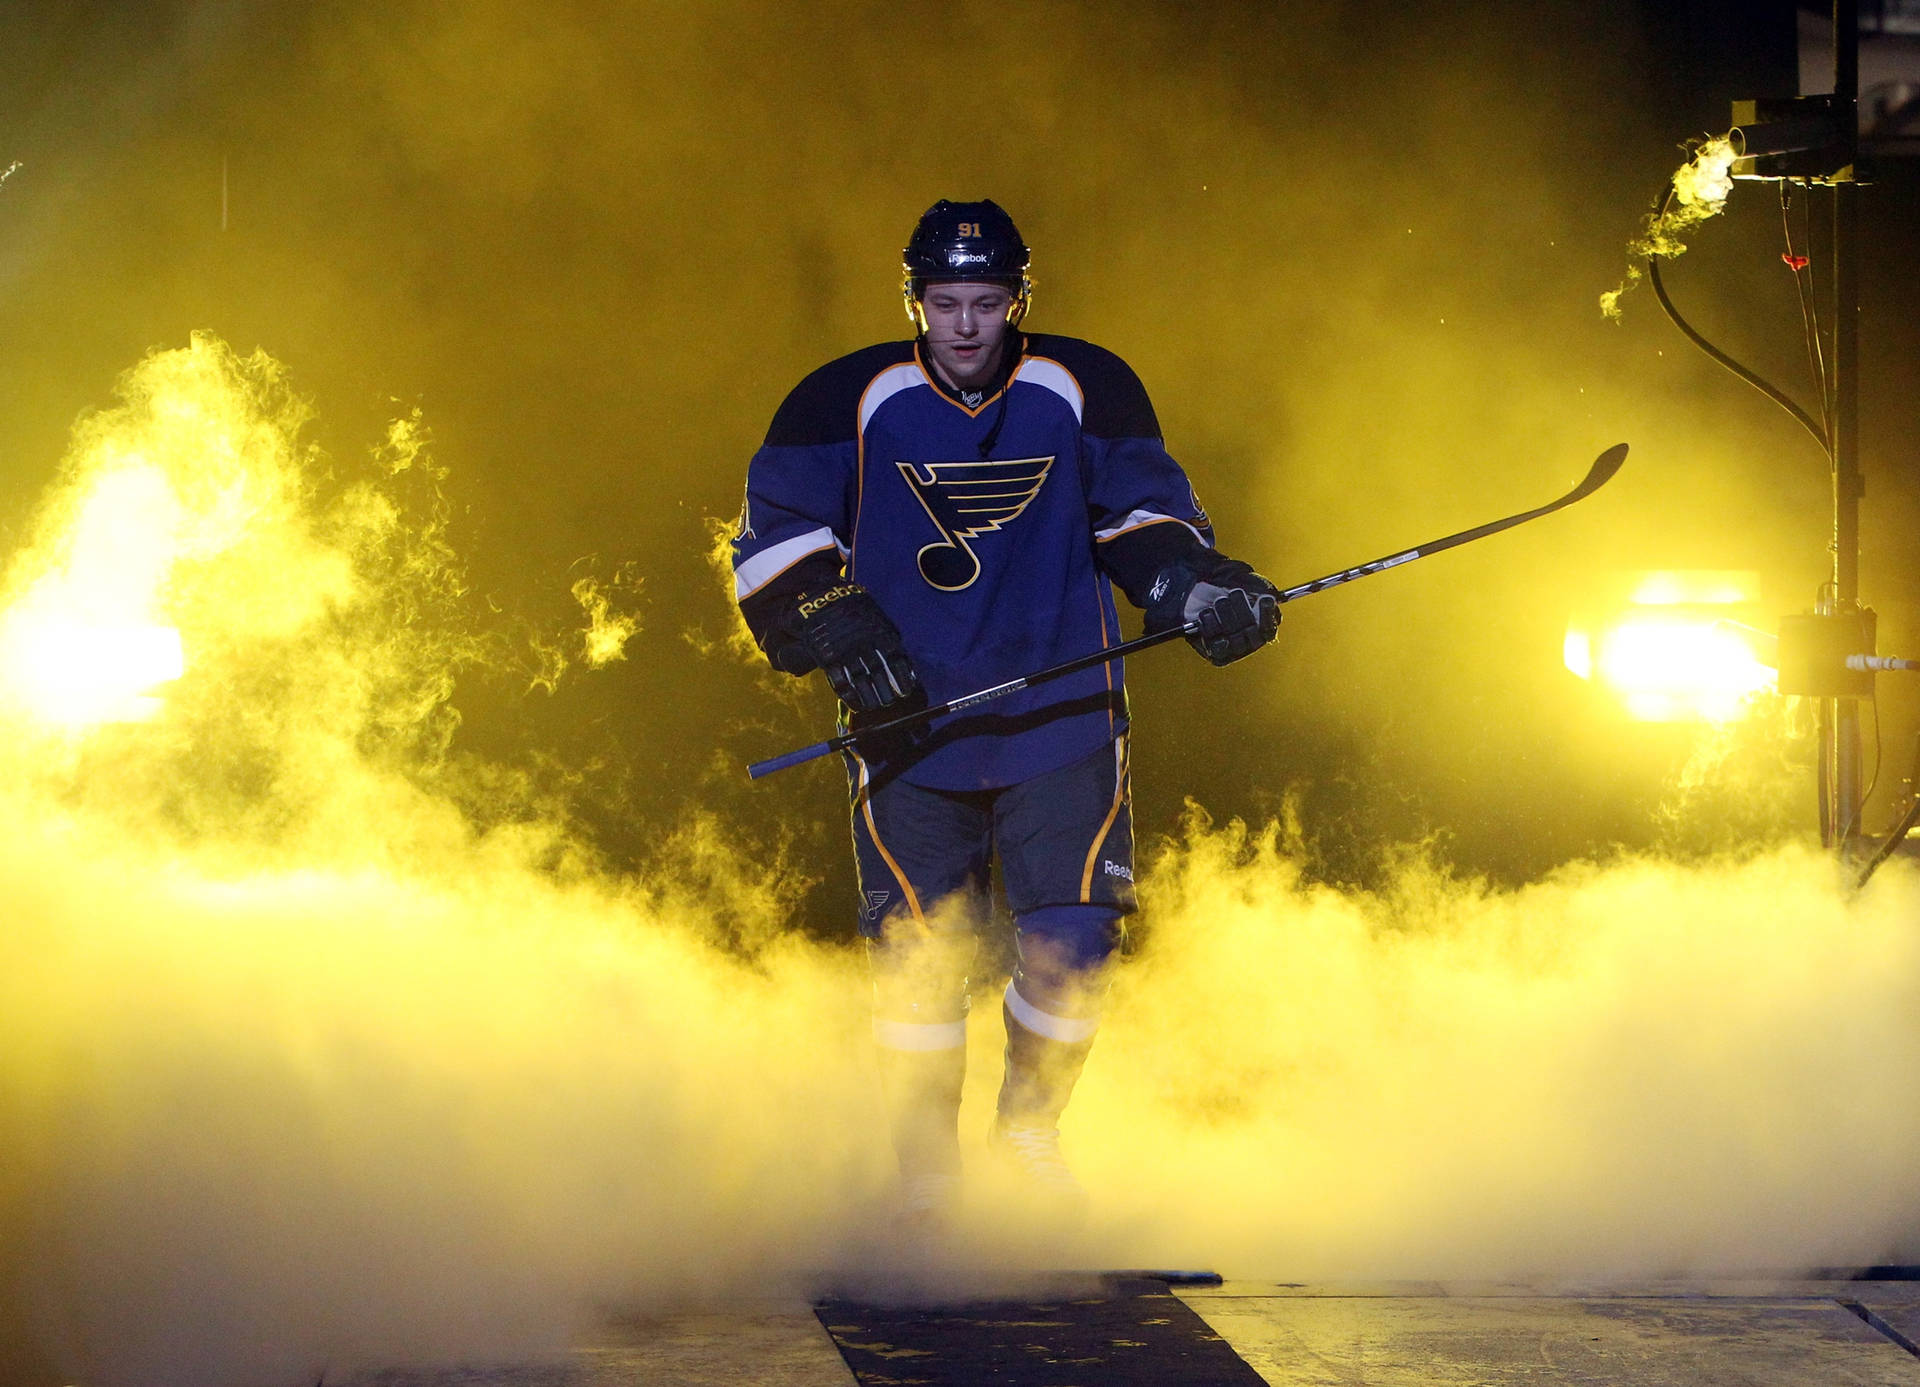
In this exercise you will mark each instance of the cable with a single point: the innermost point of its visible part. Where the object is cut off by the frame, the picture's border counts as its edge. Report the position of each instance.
(1660, 292)
(1892, 843)
(1873, 779)
(1860, 809)
(1827, 384)
(1823, 777)
(1822, 433)
(1897, 835)
(1804, 291)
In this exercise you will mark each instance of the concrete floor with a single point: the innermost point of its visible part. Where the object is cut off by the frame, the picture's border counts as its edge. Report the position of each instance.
(1752, 1333)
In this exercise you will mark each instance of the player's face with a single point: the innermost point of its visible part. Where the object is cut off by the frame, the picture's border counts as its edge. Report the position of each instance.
(966, 329)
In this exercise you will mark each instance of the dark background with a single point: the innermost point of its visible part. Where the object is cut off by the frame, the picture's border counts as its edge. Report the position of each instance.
(1353, 249)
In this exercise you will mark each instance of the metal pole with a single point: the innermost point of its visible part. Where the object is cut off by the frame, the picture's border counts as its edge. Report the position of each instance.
(1847, 484)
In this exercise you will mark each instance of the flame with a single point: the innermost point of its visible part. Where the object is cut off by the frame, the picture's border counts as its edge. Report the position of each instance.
(75, 673)
(283, 628)
(85, 644)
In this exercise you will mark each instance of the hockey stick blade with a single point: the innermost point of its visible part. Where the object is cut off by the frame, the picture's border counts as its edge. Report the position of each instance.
(1597, 476)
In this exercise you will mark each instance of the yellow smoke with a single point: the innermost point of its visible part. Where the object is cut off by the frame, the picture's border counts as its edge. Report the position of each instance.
(302, 1066)
(608, 628)
(1700, 190)
(1621, 1070)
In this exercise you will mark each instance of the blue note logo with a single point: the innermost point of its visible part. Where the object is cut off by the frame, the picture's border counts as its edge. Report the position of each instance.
(965, 500)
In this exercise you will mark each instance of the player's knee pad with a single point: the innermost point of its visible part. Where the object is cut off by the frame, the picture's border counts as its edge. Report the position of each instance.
(920, 989)
(1069, 938)
(1061, 950)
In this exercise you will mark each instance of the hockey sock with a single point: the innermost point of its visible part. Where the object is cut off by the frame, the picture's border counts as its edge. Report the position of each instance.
(920, 1025)
(922, 1069)
(1045, 1054)
(1053, 1007)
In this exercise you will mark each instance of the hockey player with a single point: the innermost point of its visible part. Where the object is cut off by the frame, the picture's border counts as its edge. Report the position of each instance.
(931, 516)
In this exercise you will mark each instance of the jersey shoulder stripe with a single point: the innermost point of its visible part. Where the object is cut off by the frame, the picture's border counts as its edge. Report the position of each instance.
(1115, 402)
(1041, 371)
(824, 408)
(886, 385)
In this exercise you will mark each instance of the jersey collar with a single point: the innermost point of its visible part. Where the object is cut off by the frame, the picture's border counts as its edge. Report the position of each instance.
(1017, 353)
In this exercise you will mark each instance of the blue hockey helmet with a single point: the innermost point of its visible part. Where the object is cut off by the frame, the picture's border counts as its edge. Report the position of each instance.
(965, 241)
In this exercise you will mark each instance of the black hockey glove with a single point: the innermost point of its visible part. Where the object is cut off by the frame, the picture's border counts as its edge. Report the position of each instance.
(843, 631)
(1238, 610)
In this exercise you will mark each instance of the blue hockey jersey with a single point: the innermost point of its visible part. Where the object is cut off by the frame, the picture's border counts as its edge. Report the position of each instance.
(988, 531)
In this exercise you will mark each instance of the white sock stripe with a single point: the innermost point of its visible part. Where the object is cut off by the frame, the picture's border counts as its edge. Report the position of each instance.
(919, 1035)
(1069, 1030)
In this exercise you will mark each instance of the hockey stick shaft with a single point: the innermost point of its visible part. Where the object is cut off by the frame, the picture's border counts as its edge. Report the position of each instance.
(987, 695)
(1597, 476)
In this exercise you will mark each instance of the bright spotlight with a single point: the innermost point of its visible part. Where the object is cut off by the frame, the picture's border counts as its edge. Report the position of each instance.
(1675, 652)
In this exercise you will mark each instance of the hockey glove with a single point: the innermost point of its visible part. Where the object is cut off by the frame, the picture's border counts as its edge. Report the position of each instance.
(844, 633)
(1238, 610)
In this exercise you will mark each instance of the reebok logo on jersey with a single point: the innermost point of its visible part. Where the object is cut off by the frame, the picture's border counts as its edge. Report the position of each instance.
(1114, 869)
(965, 500)
(1159, 588)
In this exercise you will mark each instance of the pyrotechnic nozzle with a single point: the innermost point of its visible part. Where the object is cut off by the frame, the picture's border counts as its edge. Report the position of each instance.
(1796, 137)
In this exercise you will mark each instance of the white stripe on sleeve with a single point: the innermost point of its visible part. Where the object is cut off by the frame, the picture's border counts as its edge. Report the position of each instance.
(769, 563)
(1135, 519)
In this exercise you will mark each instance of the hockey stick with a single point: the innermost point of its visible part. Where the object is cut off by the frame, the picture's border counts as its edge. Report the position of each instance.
(1597, 476)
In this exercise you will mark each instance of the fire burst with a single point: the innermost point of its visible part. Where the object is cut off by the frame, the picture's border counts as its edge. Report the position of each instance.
(83, 644)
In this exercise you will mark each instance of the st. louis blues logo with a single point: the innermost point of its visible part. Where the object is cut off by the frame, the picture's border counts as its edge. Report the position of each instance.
(966, 500)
